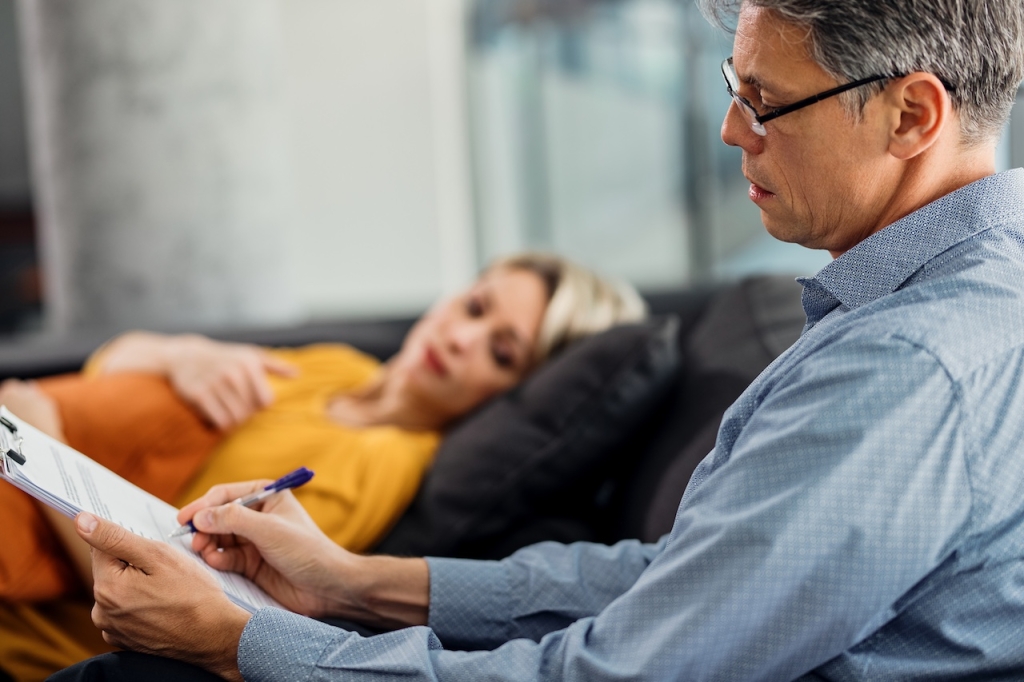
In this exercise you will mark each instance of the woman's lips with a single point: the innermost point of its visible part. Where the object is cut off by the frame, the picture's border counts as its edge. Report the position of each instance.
(433, 361)
(758, 193)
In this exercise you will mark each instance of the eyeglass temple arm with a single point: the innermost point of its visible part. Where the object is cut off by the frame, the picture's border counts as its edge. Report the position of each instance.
(820, 96)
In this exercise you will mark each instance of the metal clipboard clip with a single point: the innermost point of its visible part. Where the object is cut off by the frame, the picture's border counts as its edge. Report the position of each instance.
(13, 442)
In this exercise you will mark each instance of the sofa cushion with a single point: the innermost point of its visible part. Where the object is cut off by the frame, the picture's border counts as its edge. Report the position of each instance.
(743, 328)
(527, 447)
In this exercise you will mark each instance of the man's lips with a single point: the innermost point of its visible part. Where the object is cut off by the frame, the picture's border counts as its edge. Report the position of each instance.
(758, 193)
(434, 362)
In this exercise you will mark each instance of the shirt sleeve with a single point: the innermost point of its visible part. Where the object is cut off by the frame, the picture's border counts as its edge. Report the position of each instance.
(840, 494)
(539, 589)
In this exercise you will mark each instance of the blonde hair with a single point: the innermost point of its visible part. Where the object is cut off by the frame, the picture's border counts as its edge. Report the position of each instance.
(580, 302)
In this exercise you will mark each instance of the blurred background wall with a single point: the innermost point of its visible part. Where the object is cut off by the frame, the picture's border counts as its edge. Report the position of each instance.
(20, 303)
(337, 158)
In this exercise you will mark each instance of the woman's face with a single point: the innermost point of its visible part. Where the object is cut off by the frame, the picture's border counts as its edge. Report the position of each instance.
(474, 345)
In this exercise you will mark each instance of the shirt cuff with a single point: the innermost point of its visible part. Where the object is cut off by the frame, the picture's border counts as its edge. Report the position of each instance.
(280, 645)
(470, 602)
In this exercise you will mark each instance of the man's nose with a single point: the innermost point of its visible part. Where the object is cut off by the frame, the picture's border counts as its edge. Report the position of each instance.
(736, 131)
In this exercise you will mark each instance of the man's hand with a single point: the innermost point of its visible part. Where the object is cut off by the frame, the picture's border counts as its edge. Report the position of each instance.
(276, 545)
(24, 399)
(152, 598)
(283, 551)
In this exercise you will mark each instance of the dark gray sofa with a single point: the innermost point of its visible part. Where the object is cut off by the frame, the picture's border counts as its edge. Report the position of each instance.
(725, 336)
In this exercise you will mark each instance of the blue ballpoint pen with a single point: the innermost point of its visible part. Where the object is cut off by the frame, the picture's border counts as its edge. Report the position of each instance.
(296, 478)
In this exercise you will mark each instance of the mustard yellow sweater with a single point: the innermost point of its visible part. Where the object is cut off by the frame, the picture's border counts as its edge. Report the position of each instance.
(365, 478)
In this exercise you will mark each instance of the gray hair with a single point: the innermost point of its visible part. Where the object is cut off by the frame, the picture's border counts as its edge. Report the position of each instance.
(580, 302)
(975, 47)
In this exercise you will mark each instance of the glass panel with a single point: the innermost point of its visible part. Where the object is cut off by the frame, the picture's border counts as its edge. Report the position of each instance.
(596, 134)
(1015, 138)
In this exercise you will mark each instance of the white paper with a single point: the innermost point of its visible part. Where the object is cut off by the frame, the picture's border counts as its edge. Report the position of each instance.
(70, 482)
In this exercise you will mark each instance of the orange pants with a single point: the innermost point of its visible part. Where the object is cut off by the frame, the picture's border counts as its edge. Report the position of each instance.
(133, 424)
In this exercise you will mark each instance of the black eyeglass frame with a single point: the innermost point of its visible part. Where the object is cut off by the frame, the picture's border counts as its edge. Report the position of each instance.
(758, 120)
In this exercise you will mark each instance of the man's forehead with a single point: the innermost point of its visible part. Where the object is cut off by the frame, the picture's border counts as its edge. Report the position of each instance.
(766, 49)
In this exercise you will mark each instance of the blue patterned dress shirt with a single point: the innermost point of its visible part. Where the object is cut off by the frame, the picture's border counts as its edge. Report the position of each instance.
(861, 516)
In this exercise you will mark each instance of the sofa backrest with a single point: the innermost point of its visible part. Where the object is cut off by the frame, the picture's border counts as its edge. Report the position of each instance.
(725, 337)
(743, 329)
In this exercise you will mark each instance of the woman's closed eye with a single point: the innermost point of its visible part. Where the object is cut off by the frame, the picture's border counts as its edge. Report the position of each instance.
(504, 356)
(474, 306)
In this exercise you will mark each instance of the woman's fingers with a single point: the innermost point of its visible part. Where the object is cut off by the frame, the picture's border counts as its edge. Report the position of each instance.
(252, 384)
(276, 365)
(235, 396)
(258, 384)
(211, 408)
(227, 383)
(241, 389)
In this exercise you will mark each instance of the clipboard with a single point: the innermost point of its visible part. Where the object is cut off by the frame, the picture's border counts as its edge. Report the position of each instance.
(68, 481)
(10, 445)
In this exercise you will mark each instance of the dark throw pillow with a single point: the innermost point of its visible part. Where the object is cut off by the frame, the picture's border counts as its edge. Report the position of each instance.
(503, 463)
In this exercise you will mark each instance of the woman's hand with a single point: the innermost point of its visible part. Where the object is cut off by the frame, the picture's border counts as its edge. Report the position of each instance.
(25, 400)
(226, 383)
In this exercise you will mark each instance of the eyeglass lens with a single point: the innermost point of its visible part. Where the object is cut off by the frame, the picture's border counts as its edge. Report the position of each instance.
(732, 84)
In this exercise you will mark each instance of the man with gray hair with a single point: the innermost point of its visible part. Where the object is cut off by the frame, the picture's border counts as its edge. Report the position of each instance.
(861, 516)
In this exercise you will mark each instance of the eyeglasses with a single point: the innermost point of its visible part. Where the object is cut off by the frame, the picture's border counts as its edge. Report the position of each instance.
(757, 121)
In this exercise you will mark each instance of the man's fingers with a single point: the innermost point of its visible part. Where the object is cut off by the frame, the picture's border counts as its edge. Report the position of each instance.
(114, 541)
(228, 519)
(100, 620)
(104, 565)
(221, 494)
(231, 559)
(203, 543)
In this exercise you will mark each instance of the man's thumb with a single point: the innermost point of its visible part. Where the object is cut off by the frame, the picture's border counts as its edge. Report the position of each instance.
(110, 538)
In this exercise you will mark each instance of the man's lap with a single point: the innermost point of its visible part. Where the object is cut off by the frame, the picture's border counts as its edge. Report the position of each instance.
(128, 666)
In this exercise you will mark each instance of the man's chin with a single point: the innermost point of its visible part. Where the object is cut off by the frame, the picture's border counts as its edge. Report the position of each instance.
(777, 228)
(784, 232)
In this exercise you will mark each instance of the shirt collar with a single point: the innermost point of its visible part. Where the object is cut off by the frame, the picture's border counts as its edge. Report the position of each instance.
(880, 264)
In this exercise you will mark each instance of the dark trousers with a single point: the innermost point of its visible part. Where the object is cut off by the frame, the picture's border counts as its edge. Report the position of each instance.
(128, 666)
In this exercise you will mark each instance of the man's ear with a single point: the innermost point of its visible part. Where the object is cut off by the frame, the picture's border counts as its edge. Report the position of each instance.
(921, 111)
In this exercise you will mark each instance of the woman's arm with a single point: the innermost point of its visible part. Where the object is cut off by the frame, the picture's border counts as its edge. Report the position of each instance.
(24, 399)
(136, 352)
(225, 382)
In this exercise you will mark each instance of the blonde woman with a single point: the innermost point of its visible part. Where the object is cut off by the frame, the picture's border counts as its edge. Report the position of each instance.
(369, 430)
